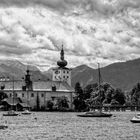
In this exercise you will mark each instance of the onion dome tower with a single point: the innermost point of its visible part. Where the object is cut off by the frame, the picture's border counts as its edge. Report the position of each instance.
(62, 73)
(62, 62)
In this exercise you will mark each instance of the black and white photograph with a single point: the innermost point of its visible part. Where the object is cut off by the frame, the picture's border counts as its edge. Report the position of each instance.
(69, 69)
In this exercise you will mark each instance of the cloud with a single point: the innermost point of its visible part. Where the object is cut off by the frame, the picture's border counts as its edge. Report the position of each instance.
(13, 48)
(102, 6)
(91, 31)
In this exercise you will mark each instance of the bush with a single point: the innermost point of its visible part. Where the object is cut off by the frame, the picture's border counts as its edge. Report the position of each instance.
(62, 103)
(50, 105)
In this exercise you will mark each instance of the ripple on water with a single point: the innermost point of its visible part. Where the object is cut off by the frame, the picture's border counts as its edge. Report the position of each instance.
(67, 126)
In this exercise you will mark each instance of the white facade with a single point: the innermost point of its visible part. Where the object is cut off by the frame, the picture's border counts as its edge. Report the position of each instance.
(62, 74)
(30, 97)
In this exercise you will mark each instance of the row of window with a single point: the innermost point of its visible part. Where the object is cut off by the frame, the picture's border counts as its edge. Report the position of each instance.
(23, 95)
(63, 77)
(63, 72)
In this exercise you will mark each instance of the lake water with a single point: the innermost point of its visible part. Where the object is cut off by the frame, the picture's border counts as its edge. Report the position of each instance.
(67, 126)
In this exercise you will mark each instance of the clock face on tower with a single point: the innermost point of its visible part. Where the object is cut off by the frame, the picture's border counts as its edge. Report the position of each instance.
(56, 72)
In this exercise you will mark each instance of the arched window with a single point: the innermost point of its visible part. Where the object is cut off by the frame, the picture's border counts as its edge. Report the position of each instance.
(22, 94)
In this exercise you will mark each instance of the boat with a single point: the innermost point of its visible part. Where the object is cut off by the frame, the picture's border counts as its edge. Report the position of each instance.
(97, 113)
(136, 118)
(26, 112)
(3, 126)
(11, 113)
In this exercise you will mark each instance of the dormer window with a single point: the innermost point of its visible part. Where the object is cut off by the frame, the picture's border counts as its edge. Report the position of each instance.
(56, 72)
(54, 88)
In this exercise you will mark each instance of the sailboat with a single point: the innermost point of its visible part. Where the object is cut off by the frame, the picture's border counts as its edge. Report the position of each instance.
(11, 112)
(98, 113)
(3, 126)
(26, 112)
(136, 118)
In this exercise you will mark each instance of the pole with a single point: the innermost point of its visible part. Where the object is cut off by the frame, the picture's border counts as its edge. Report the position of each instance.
(13, 93)
(99, 84)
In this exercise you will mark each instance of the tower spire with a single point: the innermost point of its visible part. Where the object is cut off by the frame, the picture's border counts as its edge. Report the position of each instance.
(62, 62)
(62, 53)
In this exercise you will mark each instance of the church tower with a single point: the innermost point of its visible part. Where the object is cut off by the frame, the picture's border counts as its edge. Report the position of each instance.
(62, 73)
(28, 82)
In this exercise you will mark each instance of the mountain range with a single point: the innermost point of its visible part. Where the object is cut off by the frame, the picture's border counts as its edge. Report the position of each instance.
(14, 69)
(122, 75)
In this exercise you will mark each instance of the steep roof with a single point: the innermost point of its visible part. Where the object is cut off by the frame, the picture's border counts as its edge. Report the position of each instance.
(38, 85)
(47, 85)
(8, 85)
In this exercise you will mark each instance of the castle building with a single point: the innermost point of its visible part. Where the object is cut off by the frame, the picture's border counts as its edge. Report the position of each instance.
(40, 92)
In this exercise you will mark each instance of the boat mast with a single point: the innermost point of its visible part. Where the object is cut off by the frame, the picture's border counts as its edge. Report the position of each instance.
(13, 93)
(99, 84)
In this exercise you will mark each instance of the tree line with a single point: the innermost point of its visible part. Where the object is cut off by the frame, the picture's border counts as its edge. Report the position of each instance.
(92, 96)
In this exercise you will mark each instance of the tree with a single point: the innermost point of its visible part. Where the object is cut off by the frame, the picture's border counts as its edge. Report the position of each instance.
(135, 94)
(50, 105)
(119, 96)
(108, 95)
(62, 103)
(79, 101)
(3, 95)
(88, 90)
(78, 90)
(79, 104)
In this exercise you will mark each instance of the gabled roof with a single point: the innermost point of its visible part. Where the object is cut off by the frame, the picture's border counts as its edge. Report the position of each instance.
(39, 85)
(8, 85)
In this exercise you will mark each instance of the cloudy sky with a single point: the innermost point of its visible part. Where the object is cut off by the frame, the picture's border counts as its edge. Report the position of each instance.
(105, 31)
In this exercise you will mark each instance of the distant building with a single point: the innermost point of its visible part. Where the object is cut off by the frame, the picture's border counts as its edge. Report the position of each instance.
(30, 91)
